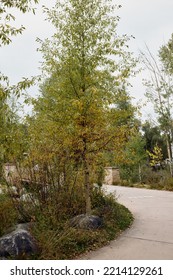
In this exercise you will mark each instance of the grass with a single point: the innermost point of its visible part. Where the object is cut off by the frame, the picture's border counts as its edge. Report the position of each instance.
(165, 185)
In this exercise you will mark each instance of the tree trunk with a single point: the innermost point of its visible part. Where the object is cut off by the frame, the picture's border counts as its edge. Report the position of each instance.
(140, 173)
(169, 153)
(87, 187)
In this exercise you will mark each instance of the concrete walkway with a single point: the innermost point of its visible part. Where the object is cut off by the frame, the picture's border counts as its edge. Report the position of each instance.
(151, 235)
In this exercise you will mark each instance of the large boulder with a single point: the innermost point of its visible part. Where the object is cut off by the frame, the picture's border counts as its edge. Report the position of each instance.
(17, 243)
(86, 222)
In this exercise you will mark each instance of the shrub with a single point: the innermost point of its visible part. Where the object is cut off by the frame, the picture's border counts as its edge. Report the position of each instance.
(111, 211)
(129, 173)
(56, 197)
(153, 179)
(167, 183)
(57, 240)
(8, 213)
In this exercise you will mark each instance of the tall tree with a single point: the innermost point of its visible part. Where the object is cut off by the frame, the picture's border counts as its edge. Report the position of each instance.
(166, 56)
(7, 117)
(87, 64)
(160, 93)
(3, 114)
(134, 157)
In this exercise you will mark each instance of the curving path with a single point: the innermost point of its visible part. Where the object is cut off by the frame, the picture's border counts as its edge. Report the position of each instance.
(151, 234)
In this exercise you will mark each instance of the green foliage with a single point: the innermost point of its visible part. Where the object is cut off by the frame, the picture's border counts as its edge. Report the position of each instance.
(87, 66)
(153, 137)
(166, 56)
(134, 157)
(13, 134)
(8, 214)
(113, 214)
(156, 156)
(167, 184)
(159, 180)
(129, 173)
(6, 30)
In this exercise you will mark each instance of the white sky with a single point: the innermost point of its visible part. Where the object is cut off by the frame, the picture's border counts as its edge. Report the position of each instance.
(150, 21)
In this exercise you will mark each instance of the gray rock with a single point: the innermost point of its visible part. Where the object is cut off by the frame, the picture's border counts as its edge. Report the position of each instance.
(86, 222)
(27, 197)
(17, 243)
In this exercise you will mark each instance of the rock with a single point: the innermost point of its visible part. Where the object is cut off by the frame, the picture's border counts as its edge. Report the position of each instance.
(18, 243)
(26, 197)
(86, 222)
(29, 201)
(3, 189)
(22, 226)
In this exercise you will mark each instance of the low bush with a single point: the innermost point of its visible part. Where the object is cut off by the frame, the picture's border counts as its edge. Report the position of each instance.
(50, 203)
(152, 179)
(57, 240)
(129, 174)
(8, 213)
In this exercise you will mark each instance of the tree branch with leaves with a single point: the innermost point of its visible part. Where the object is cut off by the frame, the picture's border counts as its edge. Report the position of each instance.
(6, 17)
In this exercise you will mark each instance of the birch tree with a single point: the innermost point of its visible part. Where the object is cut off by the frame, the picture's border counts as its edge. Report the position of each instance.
(159, 91)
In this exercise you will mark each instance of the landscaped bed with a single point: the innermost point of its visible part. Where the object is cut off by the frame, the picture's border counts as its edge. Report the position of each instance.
(57, 239)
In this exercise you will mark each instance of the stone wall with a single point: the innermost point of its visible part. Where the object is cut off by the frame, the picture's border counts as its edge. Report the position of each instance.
(11, 173)
(112, 176)
(10, 170)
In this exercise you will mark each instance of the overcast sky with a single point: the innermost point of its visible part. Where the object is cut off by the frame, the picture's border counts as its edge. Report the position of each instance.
(149, 21)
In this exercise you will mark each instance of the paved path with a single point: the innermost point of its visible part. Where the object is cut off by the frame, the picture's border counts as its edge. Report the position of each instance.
(151, 235)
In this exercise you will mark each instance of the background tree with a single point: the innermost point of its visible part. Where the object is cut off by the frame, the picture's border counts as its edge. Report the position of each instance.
(3, 115)
(125, 112)
(134, 157)
(7, 31)
(166, 56)
(153, 136)
(9, 122)
(159, 92)
(156, 157)
(13, 140)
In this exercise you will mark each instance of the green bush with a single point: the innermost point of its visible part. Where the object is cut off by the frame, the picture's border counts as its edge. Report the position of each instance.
(158, 179)
(168, 184)
(152, 179)
(129, 173)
